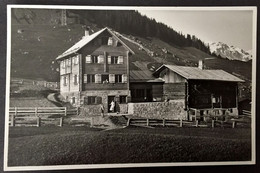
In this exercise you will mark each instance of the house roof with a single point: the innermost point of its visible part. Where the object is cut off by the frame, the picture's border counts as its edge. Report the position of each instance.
(199, 74)
(85, 40)
(143, 76)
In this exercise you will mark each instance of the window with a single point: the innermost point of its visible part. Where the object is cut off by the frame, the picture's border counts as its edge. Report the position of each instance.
(105, 78)
(114, 59)
(63, 64)
(94, 59)
(111, 78)
(124, 78)
(120, 60)
(110, 41)
(75, 60)
(100, 59)
(91, 100)
(123, 99)
(65, 80)
(75, 79)
(88, 59)
(73, 100)
(89, 78)
(118, 78)
(69, 62)
(97, 78)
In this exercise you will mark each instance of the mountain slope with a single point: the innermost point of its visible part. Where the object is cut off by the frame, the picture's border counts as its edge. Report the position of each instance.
(36, 44)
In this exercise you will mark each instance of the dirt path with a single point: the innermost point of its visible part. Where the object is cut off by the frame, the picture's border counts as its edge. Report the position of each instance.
(51, 97)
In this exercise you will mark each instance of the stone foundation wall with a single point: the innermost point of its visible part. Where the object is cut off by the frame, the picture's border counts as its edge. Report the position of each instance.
(123, 108)
(90, 111)
(159, 110)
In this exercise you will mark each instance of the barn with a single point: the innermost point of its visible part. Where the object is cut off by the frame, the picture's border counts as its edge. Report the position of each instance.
(202, 90)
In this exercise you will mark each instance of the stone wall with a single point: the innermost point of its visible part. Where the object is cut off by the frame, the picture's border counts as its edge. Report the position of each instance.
(123, 108)
(159, 110)
(95, 110)
(90, 111)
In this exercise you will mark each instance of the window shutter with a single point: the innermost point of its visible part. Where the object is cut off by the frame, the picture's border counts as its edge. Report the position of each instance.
(124, 80)
(120, 60)
(98, 78)
(88, 59)
(111, 78)
(109, 59)
(110, 41)
(76, 59)
(85, 78)
(69, 62)
(85, 100)
(101, 59)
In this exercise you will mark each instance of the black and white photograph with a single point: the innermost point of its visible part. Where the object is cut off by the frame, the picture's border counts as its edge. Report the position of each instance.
(115, 87)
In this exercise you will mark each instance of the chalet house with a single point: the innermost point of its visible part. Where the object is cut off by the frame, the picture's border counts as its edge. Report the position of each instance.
(202, 90)
(95, 70)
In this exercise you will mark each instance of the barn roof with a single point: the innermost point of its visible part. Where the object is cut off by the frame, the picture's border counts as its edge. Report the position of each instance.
(85, 40)
(143, 76)
(196, 73)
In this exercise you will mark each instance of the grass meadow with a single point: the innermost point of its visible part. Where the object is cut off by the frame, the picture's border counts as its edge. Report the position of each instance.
(32, 146)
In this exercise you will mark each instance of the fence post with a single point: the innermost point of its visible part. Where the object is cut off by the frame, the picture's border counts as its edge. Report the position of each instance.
(197, 123)
(128, 122)
(180, 122)
(12, 121)
(233, 124)
(163, 122)
(212, 123)
(147, 122)
(77, 110)
(15, 111)
(38, 121)
(65, 111)
(36, 111)
(222, 124)
(91, 122)
(61, 122)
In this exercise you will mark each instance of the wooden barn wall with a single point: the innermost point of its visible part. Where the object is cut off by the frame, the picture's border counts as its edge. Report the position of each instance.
(174, 91)
(155, 88)
(171, 77)
(201, 92)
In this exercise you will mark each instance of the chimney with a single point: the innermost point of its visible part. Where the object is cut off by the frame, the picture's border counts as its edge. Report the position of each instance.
(87, 31)
(201, 64)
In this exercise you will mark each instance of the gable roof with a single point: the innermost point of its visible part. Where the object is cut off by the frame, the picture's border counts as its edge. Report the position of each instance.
(85, 40)
(199, 74)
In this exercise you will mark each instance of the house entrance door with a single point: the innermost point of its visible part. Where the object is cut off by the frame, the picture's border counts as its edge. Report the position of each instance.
(111, 104)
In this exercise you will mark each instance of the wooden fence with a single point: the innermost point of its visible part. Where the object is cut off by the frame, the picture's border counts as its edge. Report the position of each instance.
(34, 116)
(184, 123)
(23, 111)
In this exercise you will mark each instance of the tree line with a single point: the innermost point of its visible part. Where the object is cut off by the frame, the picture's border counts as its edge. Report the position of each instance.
(132, 22)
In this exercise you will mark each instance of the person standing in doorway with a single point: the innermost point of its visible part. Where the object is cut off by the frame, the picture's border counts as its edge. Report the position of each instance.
(112, 106)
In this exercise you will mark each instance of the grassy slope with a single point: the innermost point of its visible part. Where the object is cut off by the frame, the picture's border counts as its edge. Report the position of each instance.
(59, 146)
(29, 95)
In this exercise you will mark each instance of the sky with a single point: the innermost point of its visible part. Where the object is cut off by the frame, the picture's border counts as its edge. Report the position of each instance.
(231, 27)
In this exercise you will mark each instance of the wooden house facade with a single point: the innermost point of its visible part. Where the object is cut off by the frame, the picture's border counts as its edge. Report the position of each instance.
(95, 71)
(200, 89)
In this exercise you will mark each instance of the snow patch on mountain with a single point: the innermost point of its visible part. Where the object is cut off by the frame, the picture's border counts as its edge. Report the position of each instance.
(230, 52)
